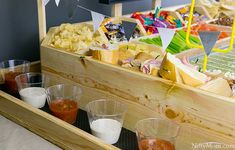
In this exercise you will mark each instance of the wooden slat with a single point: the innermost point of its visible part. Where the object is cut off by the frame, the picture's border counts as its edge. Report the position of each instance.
(35, 66)
(116, 10)
(155, 3)
(41, 20)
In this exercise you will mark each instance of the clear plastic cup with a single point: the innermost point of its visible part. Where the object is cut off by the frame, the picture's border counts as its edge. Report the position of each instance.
(63, 101)
(9, 70)
(106, 119)
(156, 134)
(31, 87)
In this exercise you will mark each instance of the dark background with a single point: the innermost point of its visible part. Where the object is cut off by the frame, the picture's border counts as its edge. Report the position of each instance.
(19, 22)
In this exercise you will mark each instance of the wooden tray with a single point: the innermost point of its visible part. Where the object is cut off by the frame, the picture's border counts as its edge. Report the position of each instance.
(101, 80)
(203, 116)
(67, 136)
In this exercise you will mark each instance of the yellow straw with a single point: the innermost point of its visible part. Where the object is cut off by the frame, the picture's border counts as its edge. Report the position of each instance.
(205, 63)
(200, 46)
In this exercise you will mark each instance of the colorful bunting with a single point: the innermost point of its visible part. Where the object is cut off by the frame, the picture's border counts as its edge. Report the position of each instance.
(166, 36)
(71, 8)
(45, 2)
(208, 39)
(129, 28)
(57, 2)
(97, 19)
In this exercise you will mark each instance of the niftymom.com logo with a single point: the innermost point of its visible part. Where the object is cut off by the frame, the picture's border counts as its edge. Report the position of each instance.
(212, 146)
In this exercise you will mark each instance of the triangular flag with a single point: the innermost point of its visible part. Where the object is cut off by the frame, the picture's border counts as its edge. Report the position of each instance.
(208, 39)
(166, 36)
(129, 28)
(71, 7)
(71, 12)
(45, 2)
(57, 2)
(97, 19)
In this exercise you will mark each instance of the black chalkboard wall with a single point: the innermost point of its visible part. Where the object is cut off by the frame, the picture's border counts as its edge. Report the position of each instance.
(19, 23)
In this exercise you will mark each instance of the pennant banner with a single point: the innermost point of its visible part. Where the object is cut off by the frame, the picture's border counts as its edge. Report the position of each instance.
(166, 36)
(57, 2)
(208, 39)
(129, 28)
(97, 19)
(45, 2)
(72, 12)
(71, 8)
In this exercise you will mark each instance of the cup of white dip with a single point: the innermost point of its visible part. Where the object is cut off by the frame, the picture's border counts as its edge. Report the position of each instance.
(31, 87)
(106, 119)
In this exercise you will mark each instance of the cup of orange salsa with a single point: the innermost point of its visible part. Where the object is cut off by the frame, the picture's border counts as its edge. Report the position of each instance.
(9, 69)
(63, 101)
(156, 134)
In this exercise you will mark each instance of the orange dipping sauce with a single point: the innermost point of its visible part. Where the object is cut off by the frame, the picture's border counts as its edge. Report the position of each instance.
(10, 82)
(208, 27)
(155, 144)
(64, 109)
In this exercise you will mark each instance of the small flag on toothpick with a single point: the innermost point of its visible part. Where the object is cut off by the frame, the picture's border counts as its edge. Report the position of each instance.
(166, 36)
(208, 39)
(57, 2)
(45, 2)
(97, 19)
(129, 28)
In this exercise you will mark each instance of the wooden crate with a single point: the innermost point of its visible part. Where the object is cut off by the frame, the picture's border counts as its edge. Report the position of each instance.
(140, 92)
